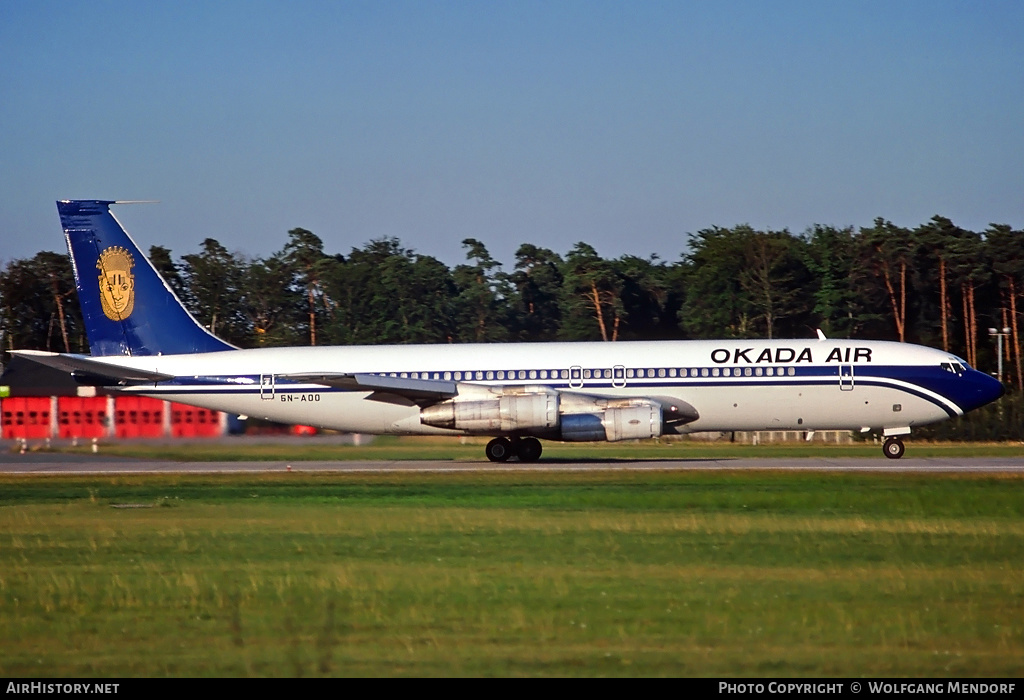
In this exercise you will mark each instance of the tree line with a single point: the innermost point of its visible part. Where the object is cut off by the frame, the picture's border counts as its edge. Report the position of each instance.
(937, 284)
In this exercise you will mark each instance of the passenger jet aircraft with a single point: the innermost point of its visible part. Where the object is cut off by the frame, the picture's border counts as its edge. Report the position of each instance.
(144, 342)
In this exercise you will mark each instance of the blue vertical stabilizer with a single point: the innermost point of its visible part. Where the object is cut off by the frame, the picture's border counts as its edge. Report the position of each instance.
(127, 307)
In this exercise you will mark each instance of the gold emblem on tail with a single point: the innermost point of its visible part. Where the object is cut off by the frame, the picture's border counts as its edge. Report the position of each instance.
(117, 283)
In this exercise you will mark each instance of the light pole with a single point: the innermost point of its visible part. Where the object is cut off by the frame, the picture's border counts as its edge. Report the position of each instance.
(999, 335)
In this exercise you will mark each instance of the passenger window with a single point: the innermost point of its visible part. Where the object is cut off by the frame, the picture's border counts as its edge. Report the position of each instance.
(791, 371)
(586, 374)
(704, 372)
(629, 374)
(565, 374)
(672, 372)
(757, 371)
(490, 374)
(727, 372)
(661, 373)
(533, 374)
(714, 372)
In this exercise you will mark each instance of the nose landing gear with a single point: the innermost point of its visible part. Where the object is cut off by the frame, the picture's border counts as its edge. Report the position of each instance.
(893, 448)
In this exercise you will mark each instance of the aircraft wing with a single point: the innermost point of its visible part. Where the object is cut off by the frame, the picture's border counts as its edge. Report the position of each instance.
(411, 391)
(86, 368)
(425, 392)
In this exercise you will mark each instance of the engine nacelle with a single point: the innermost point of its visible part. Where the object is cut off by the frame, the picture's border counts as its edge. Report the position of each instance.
(537, 412)
(633, 422)
(582, 427)
(638, 421)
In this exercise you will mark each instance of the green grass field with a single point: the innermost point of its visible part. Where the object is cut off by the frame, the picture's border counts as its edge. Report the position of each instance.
(663, 573)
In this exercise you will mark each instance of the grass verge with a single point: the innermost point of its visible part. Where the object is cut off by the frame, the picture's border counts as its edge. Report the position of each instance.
(663, 573)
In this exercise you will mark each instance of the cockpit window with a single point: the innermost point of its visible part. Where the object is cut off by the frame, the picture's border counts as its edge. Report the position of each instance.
(952, 366)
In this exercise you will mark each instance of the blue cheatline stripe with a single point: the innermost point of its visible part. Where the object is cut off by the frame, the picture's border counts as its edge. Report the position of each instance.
(886, 371)
(817, 378)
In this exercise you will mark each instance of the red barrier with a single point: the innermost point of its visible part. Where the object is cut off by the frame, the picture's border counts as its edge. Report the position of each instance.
(26, 417)
(86, 417)
(81, 417)
(189, 421)
(138, 417)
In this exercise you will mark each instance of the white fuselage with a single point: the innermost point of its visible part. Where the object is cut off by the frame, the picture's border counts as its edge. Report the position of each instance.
(733, 384)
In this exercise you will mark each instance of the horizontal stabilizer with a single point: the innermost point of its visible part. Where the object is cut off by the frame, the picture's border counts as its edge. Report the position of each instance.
(80, 365)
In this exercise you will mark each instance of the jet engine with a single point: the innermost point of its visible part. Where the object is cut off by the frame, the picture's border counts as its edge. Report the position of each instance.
(641, 420)
(574, 417)
(529, 412)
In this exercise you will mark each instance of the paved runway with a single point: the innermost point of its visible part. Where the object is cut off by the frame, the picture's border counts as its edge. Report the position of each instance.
(51, 463)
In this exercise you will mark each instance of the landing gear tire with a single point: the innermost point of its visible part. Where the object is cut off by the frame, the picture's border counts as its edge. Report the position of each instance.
(528, 449)
(893, 448)
(498, 450)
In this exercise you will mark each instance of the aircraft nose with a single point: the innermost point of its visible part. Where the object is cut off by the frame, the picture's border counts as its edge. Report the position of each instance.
(998, 390)
(986, 389)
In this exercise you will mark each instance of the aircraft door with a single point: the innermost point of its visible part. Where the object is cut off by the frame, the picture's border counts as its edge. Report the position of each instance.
(267, 387)
(575, 377)
(618, 376)
(846, 377)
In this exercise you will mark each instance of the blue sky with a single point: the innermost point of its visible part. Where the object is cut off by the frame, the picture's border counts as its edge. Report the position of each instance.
(627, 125)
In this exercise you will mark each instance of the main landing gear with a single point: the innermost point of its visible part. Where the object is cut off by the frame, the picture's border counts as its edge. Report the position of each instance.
(527, 449)
(893, 448)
